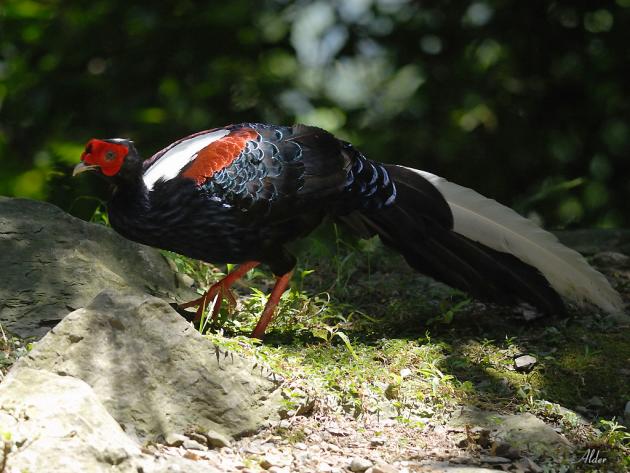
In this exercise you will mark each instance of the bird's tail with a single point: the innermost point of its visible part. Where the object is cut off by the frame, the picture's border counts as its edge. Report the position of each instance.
(475, 244)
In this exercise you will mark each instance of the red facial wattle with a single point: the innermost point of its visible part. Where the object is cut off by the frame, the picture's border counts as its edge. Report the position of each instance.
(109, 157)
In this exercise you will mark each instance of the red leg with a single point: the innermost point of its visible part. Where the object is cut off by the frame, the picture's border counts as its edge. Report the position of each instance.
(220, 289)
(281, 285)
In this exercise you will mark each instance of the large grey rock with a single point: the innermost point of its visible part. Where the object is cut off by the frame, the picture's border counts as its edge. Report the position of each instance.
(53, 423)
(53, 263)
(153, 372)
(525, 432)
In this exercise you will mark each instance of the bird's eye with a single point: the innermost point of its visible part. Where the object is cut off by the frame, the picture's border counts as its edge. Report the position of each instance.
(109, 155)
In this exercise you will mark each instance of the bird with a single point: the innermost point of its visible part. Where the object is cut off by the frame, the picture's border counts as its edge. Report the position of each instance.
(242, 193)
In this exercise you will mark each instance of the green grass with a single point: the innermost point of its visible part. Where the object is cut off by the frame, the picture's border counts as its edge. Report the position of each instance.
(356, 317)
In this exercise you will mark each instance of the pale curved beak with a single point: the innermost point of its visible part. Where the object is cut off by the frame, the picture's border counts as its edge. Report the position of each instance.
(82, 167)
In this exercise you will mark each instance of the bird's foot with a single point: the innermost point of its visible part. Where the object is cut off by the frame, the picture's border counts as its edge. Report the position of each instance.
(219, 291)
(281, 285)
(213, 297)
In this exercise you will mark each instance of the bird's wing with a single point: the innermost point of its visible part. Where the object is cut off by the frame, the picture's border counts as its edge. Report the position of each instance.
(254, 166)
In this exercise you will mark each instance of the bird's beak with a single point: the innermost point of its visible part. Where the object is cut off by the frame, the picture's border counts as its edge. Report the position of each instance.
(82, 167)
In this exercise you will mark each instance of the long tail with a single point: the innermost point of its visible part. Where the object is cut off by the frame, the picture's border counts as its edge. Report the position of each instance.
(485, 249)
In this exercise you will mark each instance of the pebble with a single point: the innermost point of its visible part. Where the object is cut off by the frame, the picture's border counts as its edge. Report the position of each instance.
(324, 468)
(175, 440)
(217, 440)
(359, 464)
(382, 468)
(191, 444)
(595, 401)
(377, 441)
(524, 363)
(275, 460)
(405, 373)
(337, 432)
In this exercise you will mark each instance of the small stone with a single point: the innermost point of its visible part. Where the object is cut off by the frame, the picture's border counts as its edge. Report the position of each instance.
(359, 464)
(190, 444)
(324, 468)
(198, 437)
(612, 259)
(405, 373)
(337, 432)
(216, 440)
(595, 401)
(524, 363)
(275, 460)
(377, 441)
(300, 446)
(175, 440)
(185, 279)
(382, 468)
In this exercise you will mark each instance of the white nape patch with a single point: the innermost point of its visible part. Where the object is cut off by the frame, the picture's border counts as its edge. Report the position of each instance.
(171, 163)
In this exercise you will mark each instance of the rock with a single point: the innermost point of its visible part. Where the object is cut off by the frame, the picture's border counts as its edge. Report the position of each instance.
(217, 440)
(611, 259)
(276, 459)
(382, 468)
(626, 414)
(191, 444)
(595, 401)
(46, 414)
(493, 460)
(592, 241)
(405, 373)
(175, 440)
(524, 363)
(53, 263)
(524, 432)
(359, 465)
(154, 373)
(377, 441)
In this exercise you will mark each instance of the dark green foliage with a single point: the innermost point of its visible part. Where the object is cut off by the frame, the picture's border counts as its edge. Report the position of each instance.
(528, 102)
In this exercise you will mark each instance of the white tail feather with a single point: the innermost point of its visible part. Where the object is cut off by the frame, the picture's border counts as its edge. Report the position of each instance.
(501, 228)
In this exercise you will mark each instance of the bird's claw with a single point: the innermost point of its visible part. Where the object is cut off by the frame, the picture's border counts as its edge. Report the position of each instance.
(214, 295)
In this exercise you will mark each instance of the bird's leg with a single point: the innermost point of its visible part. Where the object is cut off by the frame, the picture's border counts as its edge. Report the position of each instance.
(281, 285)
(219, 290)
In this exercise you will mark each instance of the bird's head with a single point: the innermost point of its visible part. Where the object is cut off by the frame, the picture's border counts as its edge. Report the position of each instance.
(112, 157)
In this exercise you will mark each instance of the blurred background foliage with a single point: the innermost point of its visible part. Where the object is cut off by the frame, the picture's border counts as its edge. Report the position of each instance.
(525, 101)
